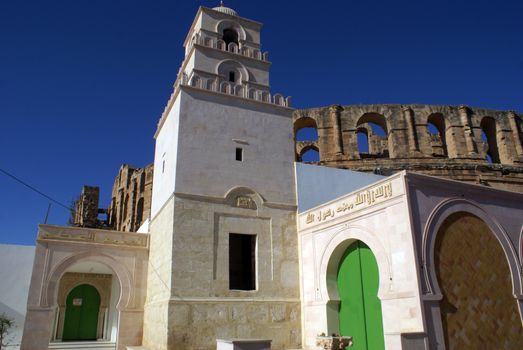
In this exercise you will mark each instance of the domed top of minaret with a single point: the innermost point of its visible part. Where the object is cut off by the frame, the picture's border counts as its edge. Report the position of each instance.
(224, 9)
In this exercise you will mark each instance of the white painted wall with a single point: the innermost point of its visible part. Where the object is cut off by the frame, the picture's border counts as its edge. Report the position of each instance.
(166, 150)
(16, 266)
(213, 125)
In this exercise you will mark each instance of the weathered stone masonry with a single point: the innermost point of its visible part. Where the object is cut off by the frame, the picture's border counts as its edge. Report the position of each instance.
(465, 138)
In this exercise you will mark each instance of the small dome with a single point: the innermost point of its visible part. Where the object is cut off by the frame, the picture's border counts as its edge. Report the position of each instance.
(224, 9)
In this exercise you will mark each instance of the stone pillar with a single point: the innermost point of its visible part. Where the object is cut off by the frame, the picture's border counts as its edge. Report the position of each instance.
(334, 112)
(130, 328)
(512, 119)
(408, 114)
(37, 328)
(468, 130)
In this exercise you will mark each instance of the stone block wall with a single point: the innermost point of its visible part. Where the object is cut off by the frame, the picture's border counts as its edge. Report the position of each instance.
(192, 264)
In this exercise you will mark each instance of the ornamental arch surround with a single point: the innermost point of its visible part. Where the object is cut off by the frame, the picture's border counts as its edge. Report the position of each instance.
(122, 275)
(454, 206)
(334, 251)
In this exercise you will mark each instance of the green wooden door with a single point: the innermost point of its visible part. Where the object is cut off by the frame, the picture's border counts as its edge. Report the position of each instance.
(81, 313)
(360, 308)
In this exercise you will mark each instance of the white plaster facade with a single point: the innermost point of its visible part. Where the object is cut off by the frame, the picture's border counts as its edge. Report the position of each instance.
(377, 215)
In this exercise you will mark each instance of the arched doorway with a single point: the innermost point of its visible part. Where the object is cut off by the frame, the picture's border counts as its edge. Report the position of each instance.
(81, 313)
(360, 308)
(478, 310)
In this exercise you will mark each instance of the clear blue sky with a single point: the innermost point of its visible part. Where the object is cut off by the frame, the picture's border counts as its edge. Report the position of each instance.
(83, 83)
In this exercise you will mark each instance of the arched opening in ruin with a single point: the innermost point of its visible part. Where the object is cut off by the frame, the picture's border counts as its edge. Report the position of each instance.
(309, 154)
(436, 129)
(87, 298)
(489, 138)
(307, 134)
(305, 129)
(372, 135)
(363, 140)
(478, 309)
(139, 214)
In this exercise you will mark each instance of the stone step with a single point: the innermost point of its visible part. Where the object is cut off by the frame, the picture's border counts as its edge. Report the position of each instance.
(82, 345)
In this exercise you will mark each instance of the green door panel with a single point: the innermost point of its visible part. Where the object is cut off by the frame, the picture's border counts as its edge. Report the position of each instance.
(360, 307)
(372, 304)
(352, 315)
(81, 313)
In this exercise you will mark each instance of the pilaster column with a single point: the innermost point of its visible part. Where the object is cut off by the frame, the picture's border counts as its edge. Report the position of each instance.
(334, 112)
(408, 114)
(467, 129)
(512, 119)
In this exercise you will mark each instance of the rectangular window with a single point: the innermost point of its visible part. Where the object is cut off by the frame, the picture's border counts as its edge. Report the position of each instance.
(239, 154)
(231, 77)
(242, 261)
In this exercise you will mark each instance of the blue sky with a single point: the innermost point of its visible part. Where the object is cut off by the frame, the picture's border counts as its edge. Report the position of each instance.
(83, 83)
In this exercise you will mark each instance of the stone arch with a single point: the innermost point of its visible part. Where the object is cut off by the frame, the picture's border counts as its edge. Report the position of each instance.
(50, 288)
(432, 227)
(438, 141)
(334, 251)
(362, 141)
(305, 147)
(489, 126)
(379, 145)
(304, 122)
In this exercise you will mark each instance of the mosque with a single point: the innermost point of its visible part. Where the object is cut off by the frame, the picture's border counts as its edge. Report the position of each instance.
(415, 242)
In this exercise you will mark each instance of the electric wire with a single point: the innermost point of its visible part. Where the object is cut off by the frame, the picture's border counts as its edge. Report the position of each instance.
(35, 190)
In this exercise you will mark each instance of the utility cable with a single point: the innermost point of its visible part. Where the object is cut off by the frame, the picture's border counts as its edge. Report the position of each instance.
(35, 190)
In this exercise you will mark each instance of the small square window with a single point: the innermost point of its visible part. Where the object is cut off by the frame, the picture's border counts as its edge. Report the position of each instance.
(242, 261)
(239, 154)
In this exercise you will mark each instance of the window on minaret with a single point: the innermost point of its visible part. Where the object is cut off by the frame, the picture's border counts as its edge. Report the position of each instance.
(232, 77)
(230, 36)
(239, 154)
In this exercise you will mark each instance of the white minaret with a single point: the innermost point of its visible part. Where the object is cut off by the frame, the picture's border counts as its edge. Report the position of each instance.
(223, 255)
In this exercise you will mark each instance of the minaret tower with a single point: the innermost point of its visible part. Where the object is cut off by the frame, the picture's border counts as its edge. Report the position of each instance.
(223, 255)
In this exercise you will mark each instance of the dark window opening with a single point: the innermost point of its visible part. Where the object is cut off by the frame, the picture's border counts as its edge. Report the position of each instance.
(239, 154)
(242, 261)
(232, 77)
(230, 36)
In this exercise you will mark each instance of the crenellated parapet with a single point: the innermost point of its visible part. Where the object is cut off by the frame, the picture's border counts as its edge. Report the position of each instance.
(459, 142)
